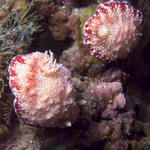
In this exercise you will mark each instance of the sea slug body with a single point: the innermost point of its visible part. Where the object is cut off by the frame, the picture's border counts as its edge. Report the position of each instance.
(113, 31)
(44, 94)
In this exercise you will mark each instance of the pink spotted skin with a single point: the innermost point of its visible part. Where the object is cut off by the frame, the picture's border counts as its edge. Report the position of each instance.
(44, 93)
(113, 31)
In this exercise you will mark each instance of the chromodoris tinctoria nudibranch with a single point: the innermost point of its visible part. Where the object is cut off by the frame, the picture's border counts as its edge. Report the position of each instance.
(113, 30)
(44, 94)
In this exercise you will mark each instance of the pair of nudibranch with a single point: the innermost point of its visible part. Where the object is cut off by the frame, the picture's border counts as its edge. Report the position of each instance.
(43, 89)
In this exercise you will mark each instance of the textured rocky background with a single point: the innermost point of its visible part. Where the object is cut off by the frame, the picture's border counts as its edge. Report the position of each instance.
(104, 121)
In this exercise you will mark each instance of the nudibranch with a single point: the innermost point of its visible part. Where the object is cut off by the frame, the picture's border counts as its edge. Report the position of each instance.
(113, 30)
(44, 94)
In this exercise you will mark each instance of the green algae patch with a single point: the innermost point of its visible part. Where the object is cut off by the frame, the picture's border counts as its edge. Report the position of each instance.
(85, 14)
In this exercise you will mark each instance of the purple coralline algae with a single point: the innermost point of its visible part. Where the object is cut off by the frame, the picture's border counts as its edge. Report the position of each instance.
(112, 96)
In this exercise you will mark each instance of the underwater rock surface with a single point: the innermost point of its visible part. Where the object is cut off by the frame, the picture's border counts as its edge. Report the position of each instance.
(110, 100)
